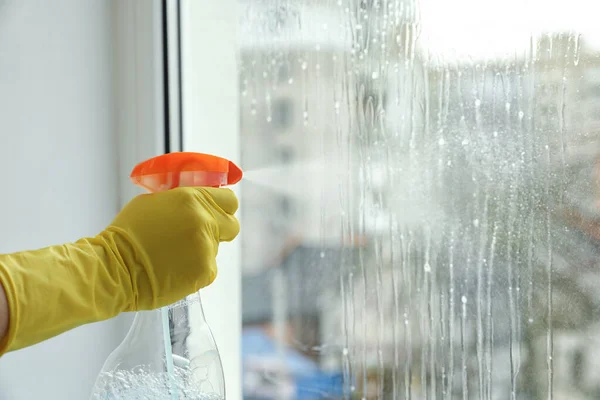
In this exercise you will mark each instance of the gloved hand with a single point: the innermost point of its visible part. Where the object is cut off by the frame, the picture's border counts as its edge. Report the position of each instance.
(160, 248)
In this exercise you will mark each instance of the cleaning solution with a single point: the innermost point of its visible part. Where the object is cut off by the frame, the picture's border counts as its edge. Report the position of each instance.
(170, 353)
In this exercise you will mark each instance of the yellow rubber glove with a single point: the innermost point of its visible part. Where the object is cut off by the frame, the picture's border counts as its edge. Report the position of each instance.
(160, 248)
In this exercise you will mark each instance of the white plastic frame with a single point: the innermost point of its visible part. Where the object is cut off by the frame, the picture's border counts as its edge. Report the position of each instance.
(210, 122)
(150, 93)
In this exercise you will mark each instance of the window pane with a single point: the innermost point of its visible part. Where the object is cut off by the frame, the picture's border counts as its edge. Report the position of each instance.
(442, 172)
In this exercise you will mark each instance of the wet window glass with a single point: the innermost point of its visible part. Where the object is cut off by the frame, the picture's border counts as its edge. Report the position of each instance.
(441, 162)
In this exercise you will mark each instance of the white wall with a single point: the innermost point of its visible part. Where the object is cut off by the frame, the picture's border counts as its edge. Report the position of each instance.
(58, 168)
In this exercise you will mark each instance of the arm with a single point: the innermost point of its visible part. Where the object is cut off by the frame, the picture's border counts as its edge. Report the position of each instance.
(149, 257)
(3, 314)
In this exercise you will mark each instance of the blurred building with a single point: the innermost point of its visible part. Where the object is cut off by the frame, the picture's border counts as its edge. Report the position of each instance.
(287, 71)
(566, 75)
(292, 61)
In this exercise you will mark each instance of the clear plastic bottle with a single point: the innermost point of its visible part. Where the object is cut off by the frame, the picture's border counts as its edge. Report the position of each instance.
(169, 353)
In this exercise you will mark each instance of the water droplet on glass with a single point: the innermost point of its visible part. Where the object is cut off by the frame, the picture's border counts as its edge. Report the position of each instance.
(427, 267)
(476, 223)
(322, 255)
(507, 106)
(463, 299)
(375, 75)
(304, 65)
(290, 81)
(521, 114)
(442, 142)
(477, 103)
(465, 142)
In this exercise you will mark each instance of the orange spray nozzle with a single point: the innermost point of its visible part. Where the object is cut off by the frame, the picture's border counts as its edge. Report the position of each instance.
(180, 169)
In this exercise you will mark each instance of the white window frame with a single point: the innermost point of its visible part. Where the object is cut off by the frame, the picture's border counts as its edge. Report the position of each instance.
(152, 119)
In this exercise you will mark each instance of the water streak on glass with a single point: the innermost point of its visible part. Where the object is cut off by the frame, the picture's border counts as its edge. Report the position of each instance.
(423, 177)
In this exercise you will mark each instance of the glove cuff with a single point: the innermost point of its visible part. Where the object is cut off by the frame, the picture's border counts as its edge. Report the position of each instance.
(58, 288)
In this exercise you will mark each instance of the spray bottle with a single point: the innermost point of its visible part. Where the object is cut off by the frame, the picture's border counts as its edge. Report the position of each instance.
(170, 353)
